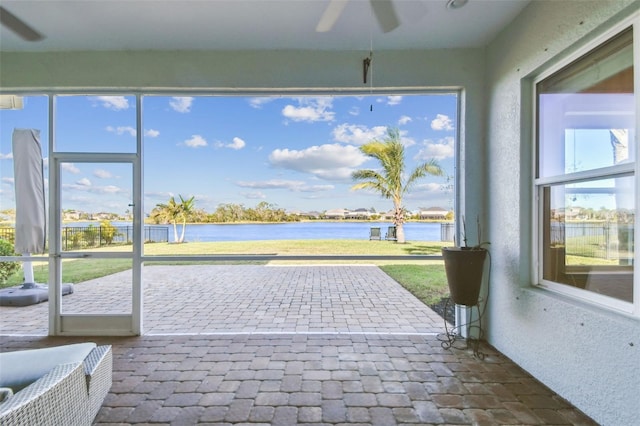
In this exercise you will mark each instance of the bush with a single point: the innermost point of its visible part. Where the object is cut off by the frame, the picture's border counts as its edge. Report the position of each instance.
(7, 268)
(108, 232)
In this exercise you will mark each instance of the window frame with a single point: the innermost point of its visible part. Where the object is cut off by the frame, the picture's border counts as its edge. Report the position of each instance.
(626, 169)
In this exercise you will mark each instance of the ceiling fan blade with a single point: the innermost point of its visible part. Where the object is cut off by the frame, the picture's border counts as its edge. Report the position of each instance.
(331, 15)
(18, 26)
(385, 14)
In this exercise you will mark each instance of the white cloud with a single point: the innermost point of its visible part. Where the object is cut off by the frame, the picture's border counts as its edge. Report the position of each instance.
(394, 100)
(102, 174)
(181, 103)
(442, 122)
(257, 102)
(405, 140)
(196, 141)
(354, 111)
(331, 162)
(317, 188)
(152, 133)
(86, 186)
(45, 162)
(109, 189)
(310, 110)
(291, 185)
(8, 156)
(358, 134)
(115, 103)
(272, 184)
(444, 148)
(430, 187)
(162, 195)
(121, 130)
(70, 167)
(9, 180)
(254, 195)
(236, 144)
(404, 120)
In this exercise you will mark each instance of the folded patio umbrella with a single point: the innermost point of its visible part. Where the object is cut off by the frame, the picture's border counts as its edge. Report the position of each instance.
(29, 189)
(30, 230)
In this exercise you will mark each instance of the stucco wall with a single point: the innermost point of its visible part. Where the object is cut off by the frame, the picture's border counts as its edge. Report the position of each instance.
(589, 355)
(240, 70)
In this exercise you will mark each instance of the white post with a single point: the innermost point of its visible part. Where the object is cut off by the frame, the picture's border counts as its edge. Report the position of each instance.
(27, 268)
(467, 321)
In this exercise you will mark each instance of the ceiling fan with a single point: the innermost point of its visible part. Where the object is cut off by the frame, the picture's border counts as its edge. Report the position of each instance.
(383, 10)
(18, 26)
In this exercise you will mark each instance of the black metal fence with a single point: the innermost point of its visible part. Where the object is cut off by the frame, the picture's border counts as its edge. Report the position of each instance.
(8, 234)
(80, 237)
(605, 240)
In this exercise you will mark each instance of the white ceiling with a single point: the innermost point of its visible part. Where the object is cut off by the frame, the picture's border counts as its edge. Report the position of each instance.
(251, 25)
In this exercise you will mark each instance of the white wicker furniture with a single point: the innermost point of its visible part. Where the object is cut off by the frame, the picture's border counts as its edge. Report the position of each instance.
(68, 394)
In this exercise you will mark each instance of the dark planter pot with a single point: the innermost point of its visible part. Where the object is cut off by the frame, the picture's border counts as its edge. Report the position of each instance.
(465, 268)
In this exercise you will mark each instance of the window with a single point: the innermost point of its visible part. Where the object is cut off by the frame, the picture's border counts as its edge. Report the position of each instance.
(585, 175)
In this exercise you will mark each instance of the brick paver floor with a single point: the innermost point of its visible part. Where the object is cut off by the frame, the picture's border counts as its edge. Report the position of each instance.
(245, 298)
(316, 345)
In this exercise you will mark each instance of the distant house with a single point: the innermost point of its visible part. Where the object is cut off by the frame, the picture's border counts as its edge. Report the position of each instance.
(433, 213)
(388, 215)
(336, 213)
(358, 214)
(105, 216)
(306, 215)
(71, 215)
(313, 214)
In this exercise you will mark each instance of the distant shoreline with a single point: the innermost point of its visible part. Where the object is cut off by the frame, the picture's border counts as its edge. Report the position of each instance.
(245, 222)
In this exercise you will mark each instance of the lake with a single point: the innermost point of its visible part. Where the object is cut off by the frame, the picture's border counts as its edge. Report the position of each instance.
(302, 231)
(414, 231)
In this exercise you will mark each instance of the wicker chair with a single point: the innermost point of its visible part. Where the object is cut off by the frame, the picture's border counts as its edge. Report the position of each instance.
(69, 394)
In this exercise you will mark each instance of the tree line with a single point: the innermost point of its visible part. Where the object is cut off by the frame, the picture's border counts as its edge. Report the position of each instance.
(184, 212)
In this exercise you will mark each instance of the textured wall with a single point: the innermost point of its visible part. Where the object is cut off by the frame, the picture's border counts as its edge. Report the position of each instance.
(231, 70)
(589, 355)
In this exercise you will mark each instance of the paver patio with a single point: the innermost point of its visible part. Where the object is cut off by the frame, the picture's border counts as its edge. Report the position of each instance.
(294, 345)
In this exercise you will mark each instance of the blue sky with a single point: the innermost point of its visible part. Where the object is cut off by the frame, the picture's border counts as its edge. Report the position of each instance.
(297, 153)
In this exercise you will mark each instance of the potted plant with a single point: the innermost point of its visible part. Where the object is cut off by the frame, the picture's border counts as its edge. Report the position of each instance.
(464, 267)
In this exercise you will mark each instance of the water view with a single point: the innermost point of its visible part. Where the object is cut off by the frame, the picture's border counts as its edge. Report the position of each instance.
(414, 231)
(304, 231)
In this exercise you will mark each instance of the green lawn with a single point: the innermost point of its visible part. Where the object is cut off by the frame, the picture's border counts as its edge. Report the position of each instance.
(423, 278)
(427, 282)
(288, 247)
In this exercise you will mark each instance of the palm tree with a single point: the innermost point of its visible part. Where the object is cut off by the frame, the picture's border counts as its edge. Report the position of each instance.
(186, 207)
(391, 182)
(169, 213)
(172, 211)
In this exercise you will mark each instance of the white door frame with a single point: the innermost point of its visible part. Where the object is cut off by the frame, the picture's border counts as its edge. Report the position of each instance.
(91, 324)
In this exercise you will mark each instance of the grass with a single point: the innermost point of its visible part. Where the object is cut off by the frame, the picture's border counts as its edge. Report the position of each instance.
(427, 282)
(424, 278)
(293, 247)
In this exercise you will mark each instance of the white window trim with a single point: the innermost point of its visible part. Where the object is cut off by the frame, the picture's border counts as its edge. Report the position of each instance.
(600, 300)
